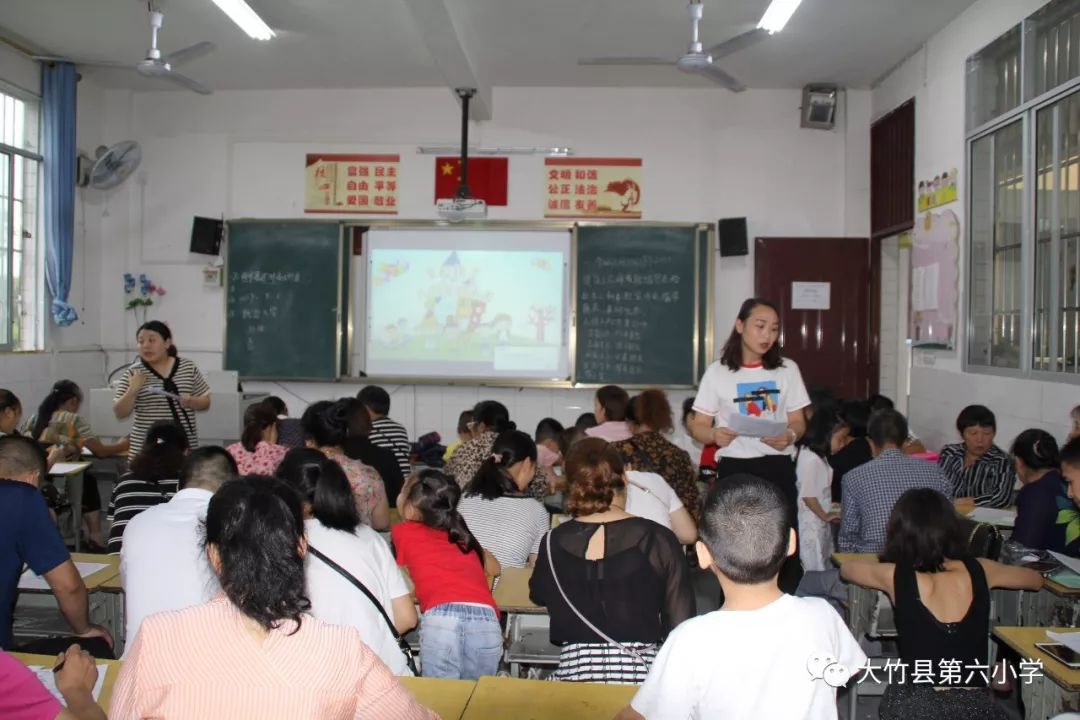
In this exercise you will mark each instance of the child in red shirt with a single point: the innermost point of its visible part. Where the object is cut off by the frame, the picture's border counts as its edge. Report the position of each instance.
(460, 635)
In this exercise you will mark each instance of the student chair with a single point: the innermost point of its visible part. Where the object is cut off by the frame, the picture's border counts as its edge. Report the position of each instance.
(529, 643)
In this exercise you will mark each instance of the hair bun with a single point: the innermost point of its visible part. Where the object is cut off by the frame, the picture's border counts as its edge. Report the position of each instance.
(511, 425)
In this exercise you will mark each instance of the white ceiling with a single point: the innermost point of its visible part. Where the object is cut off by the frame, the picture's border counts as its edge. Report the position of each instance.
(415, 43)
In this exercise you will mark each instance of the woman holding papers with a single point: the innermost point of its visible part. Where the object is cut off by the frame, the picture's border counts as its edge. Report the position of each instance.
(750, 405)
(160, 385)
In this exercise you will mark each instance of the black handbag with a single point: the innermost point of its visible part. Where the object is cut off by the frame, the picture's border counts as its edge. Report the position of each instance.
(410, 662)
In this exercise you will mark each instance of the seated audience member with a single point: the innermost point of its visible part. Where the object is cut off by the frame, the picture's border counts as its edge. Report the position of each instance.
(169, 536)
(648, 450)
(358, 446)
(290, 432)
(585, 421)
(1043, 495)
(326, 427)
(627, 575)
(152, 479)
(848, 446)
(28, 537)
(461, 636)
(941, 597)
(1070, 468)
(548, 432)
(649, 496)
(913, 445)
(490, 419)
(747, 531)
(611, 407)
(464, 433)
(23, 697)
(10, 413)
(258, 452)
(700, 455)
(384, 431)
(336, 535)
(814, 478)
(57, 423)
(507, 521)
(979, 470)
(254, 651)
(876, 486)
(1074, 428)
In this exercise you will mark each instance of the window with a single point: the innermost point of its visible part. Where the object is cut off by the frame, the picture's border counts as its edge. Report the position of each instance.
(22, 300)
(995, 279)
(1023, 274)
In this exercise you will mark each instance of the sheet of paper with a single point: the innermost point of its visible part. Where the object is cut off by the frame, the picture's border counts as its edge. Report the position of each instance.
(924, 287)
(48, 679)
(755, 426)
(68, 468)
(993, 516)
(810, 295)
(32, 581)
(162, 391)
(1071, 563)
(1070, 640)
(86, 452)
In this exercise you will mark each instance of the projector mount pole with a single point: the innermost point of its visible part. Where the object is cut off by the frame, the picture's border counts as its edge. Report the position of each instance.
(463, 187)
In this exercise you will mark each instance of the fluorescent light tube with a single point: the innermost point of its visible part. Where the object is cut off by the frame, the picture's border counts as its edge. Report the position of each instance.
(248, 20)
(775, 17)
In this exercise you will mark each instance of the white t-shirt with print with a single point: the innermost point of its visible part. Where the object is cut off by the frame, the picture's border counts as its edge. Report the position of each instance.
(649, 496)
(749, 665)
(751, 391)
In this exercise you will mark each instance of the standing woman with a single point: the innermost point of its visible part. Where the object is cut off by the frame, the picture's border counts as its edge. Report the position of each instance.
(752, 379)
(161, 385)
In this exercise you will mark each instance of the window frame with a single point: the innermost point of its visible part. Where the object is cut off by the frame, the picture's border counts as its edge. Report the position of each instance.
(1026, 113)
(11, 151)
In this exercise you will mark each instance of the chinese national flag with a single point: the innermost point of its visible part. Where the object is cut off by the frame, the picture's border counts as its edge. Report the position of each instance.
(487, 178)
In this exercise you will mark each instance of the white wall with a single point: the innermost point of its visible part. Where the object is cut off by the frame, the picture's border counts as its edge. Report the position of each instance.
(935, 77)
(72, 352)
(707, 154)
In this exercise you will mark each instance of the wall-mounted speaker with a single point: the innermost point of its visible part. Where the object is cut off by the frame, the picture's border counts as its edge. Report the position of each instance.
(732, 234)
(206, 236)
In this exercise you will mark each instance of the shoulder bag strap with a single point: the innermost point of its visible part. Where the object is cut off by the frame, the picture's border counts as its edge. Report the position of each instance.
(359, 586)
(179, 412)
(551, 564)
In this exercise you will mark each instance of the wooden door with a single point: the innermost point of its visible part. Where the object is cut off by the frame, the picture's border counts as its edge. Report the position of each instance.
(835, 348)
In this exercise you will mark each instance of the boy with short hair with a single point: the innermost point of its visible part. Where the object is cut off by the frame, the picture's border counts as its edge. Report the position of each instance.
(384, 431)
(764, 654)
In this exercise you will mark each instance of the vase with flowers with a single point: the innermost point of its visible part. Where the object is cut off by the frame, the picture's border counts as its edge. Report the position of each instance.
(139, 294)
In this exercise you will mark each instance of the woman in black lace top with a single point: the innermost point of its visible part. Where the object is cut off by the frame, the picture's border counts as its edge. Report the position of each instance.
(626, 575)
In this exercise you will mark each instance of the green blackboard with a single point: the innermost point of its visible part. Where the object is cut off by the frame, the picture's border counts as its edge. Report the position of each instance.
(638, 302)
(283, 301)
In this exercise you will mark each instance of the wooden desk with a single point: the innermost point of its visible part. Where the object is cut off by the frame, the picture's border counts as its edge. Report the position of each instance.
(861, 601)
(94, 580)
(512, 592)
(446, 697)
(1042, 698)
(110, 674)
(839, 558)
(73, 474)
(497, 697)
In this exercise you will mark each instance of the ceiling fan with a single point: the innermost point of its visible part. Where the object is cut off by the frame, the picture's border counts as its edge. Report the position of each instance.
(697, 59)
(154, 65)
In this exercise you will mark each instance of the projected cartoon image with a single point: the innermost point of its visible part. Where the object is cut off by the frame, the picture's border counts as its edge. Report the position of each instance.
(500, 308)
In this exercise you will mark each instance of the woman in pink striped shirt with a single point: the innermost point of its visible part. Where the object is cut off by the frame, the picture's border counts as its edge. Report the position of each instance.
(253, 651)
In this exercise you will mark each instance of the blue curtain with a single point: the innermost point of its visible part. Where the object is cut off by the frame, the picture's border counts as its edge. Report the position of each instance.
(58, 150)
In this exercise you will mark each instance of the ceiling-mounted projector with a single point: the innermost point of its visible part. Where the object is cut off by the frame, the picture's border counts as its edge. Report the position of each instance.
(458, 209)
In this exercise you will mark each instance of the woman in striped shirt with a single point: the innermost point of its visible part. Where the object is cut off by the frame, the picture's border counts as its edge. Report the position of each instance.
(160, 386)
(507, 521)
(153, 479)
(980, 471)
(254, 651)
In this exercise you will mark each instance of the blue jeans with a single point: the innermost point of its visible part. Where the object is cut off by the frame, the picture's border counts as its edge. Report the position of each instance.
(460, 641)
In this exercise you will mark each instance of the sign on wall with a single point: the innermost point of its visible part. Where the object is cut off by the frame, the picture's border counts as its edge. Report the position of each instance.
(592, 188)
(937, 191)
(360, 184)
(934, 278)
